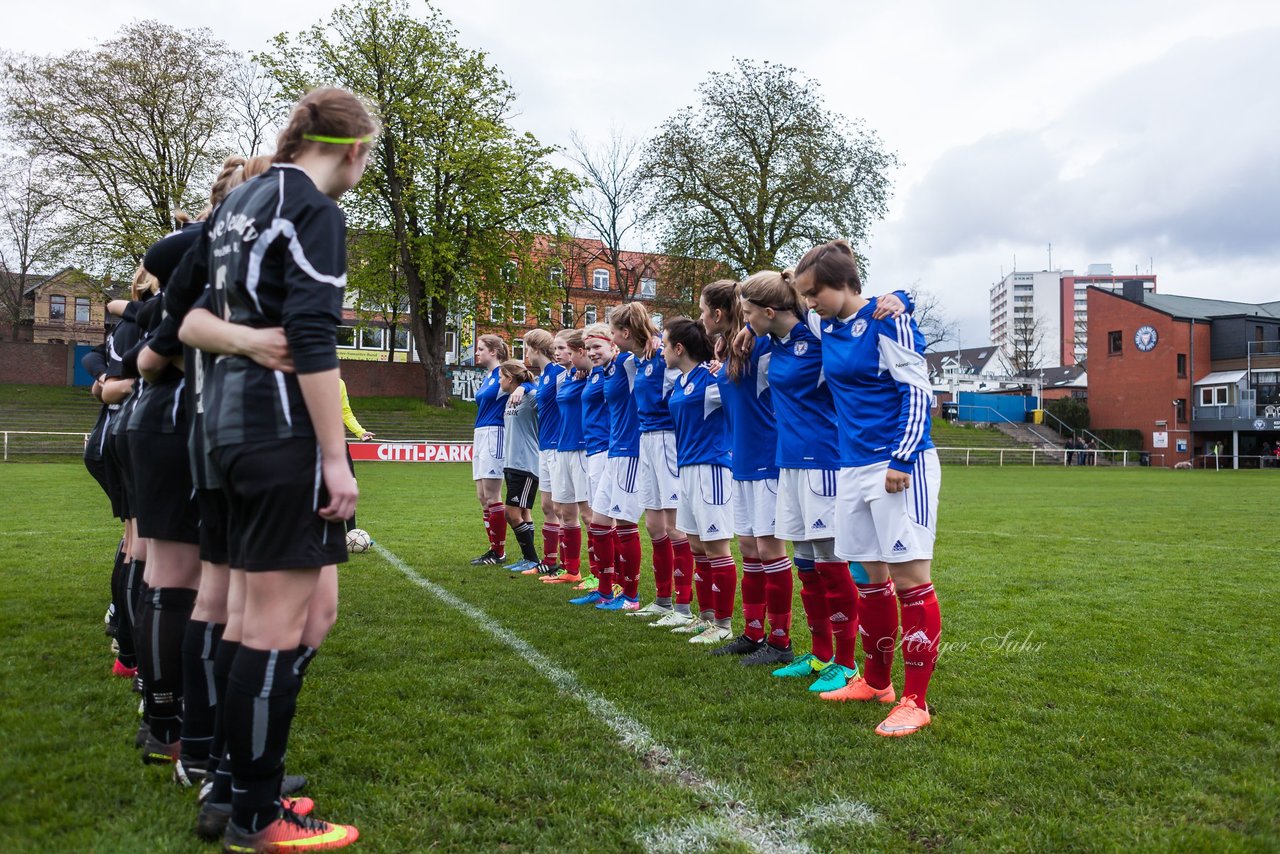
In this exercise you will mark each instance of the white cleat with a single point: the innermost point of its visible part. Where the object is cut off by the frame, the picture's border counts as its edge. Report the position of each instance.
(675, 618)
(713, 634)
(653, 609)
(692, 627)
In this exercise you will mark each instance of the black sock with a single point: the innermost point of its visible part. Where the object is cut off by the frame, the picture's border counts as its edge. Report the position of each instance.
(117, 574)
(306, 654)
(219, 766)
(524, 536)
(124, 614)
(170, 611)
(262, 696)
(142, 635)
(199, 697)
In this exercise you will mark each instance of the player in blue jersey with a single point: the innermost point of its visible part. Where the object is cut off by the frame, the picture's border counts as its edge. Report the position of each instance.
(539, 357)
(487, 448)
(633, 332)
(595, 429)
(767, 583)
(569, 475)
(808, 465)
(706, 481)
(889, 478)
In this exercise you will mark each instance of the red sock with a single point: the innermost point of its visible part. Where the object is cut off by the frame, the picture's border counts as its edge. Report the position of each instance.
(702, 584)
(778, 591)
(921, 628)
(682, 571)
(753, 586)
(550, 543)
(498, 529)
(629, 558)
(604, 540)
(571, 548)
(814, 598)
(842, 605)
(878, 625)
(724, 585)
(663, 565)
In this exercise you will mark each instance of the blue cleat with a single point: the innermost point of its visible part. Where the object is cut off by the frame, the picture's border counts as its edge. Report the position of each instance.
(590, 599)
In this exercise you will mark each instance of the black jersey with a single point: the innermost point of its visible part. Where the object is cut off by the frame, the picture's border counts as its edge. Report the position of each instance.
(161, 405)
(123, 338)
(276, 256)
(95, 365)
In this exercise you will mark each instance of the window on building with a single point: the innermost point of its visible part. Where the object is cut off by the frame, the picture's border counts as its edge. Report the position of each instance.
(346, 336)
(497, 311)
(517, 349)
(1215, 395)
(657, 319)
(1180, 410)
(82, 310)
(648, 288)
(450, 347)
(588, 315)
(57, 308)
(600, 280)
(372, 338)
(402, 339)
(518, 313)
(509, 273)
(556, 276)
(1114, 342)
(1182, 364)
(566, 315)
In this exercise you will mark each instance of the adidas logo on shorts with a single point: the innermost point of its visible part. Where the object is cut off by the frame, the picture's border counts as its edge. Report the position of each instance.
(899, 547)
(616, 509)
(818, 526)
(713, 530)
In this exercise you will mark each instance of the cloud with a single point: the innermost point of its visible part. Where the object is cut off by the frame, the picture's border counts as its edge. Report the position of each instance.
(1176, 157)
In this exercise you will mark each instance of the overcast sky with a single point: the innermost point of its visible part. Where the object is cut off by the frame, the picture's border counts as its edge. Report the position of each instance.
(1143, 134)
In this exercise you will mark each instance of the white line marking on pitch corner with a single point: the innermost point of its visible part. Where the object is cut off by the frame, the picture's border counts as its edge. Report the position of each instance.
(732, 818)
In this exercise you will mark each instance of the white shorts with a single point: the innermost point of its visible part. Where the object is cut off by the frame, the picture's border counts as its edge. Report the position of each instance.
(596, 465)
(569, 477)
(755, 507)
(617, 495)
(706, 502)
(659, 475)
(875, 525)
(487, 454)
(806, 505)
(546, 471)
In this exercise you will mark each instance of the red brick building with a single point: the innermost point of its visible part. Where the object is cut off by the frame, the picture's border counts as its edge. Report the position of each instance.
(1186, 372)
(1073, 306)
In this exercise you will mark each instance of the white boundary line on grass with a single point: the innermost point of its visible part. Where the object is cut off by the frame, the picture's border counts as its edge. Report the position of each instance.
(731, 819)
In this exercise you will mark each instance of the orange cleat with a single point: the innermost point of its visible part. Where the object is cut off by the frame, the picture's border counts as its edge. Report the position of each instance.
(905, 719)
(566, 578)
(858, 689)
(290, 832)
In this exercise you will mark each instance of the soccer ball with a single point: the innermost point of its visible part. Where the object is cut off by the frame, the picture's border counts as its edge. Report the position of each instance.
(358, 541)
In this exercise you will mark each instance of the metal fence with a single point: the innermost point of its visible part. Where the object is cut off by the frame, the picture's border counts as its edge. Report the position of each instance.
(23, 443)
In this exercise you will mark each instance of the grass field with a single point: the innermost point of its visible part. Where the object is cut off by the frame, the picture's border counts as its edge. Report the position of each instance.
(1108, 681)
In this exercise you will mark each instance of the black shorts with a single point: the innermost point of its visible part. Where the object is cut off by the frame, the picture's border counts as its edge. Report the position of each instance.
(274, 490)
(212, 504)
(123, 470)
(166, 502)
(97, 467)
(522, 488)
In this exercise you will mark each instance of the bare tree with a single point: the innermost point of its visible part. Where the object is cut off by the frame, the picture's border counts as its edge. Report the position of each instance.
(1023, 351)
(258, 107)
(28, 237)
(607, 204)
(935, 324)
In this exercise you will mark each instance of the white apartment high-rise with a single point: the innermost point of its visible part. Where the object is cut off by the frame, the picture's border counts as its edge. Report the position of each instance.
(1025, 323)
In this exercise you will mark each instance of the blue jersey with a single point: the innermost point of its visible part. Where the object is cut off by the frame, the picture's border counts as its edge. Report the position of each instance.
(569, 401)
(702, 429)
(548, 407)
(654, 382)
(802, 402)
(491, 402)
(624, 421)
(750, 407)
(595, 413)
(881, 386)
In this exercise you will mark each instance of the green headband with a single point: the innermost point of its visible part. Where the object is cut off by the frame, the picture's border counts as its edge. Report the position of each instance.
(337, 140)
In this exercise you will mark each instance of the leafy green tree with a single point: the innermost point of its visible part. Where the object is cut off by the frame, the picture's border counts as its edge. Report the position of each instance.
(135, 128)
(760, 170)
(461, 192)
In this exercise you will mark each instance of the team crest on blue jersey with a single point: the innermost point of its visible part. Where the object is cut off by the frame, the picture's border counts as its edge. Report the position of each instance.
(595, 378)
(648, 370)
(802, 347)
(859, 327)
